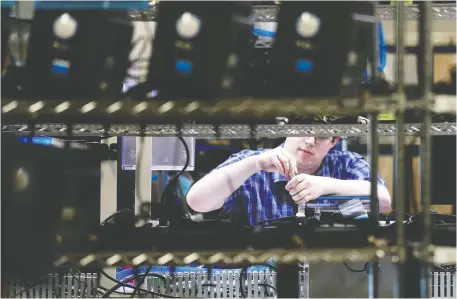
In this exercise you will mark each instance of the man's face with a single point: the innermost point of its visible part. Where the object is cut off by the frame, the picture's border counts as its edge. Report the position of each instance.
(309, 151)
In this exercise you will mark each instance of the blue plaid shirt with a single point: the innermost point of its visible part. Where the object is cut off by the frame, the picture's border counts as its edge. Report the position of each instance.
(263, 197)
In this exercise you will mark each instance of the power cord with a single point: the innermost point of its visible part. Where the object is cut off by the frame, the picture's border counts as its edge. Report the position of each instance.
(173, 182)
(275, 220)
(269, 286)
(242, 273)
(356, 270)
(141, 281)
(121, 283)
(265, 285)
(77, 279)
(365, 269)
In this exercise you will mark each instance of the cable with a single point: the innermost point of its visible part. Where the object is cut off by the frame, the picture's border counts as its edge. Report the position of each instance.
(445, 218)
(26, 290)
(121, 283)
(365, 267)
(175, 179)
(77, 279)
(266, 286)
(31, 286)
(356, 270)
(274, 220)
(242, 273)
(140, 283)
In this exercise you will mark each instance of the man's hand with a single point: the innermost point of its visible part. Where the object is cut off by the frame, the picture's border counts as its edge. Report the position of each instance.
(278, 159)
(305, 187)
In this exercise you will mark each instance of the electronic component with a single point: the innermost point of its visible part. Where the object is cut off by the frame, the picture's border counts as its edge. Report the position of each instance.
(168, 153)
(50, 199)
(333, 201)
(195, 282)
(321, 48)
(198, 53)
(77, 54)
(71, 285)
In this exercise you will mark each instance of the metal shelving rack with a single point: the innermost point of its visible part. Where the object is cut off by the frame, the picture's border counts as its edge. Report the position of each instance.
(48, 118)
(228, 131)
(267, 13)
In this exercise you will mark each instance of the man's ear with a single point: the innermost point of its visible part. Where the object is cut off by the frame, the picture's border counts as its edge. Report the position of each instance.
(335, 141)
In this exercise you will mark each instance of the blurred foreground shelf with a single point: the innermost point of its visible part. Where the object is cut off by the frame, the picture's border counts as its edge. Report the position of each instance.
(107, 259)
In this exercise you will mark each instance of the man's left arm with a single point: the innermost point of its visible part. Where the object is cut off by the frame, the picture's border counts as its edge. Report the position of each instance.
(357, 182)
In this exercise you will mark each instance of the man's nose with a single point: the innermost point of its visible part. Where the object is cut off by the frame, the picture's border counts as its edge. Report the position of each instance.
(310, 140)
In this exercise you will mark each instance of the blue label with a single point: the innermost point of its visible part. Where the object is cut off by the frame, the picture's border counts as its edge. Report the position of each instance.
(304, 66)
(60, 68)
(36, 140)
(184, 66)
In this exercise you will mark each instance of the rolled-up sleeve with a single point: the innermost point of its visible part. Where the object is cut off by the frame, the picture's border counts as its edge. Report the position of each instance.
(230, 204)
(359, 169)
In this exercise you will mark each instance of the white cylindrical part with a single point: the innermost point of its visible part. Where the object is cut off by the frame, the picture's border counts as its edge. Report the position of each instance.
(143, 181)
(344, 144)
(188, 25)
(307, 24)
(65, 26)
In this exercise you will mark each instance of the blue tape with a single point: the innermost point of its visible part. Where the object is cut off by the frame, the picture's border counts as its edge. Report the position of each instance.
(382, 48)
(382, 51)
(36, 140)
(263, 32)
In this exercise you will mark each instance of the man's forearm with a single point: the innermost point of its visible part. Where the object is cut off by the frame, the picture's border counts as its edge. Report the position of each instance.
(209, 193)
(356, 187)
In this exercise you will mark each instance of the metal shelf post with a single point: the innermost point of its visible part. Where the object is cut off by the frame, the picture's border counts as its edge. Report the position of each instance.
(373, 150)
(399, 174)
(426, 80)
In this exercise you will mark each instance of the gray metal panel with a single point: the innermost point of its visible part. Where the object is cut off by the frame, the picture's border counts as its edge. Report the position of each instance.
(443, 284)
(82, 285)
(223, 284)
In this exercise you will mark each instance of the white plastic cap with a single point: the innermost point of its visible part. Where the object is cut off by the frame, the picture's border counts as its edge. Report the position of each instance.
(308, 24)
(65, 26)
(188, 25)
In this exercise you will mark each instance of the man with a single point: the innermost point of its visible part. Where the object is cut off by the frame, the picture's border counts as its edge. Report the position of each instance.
(303, 167)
